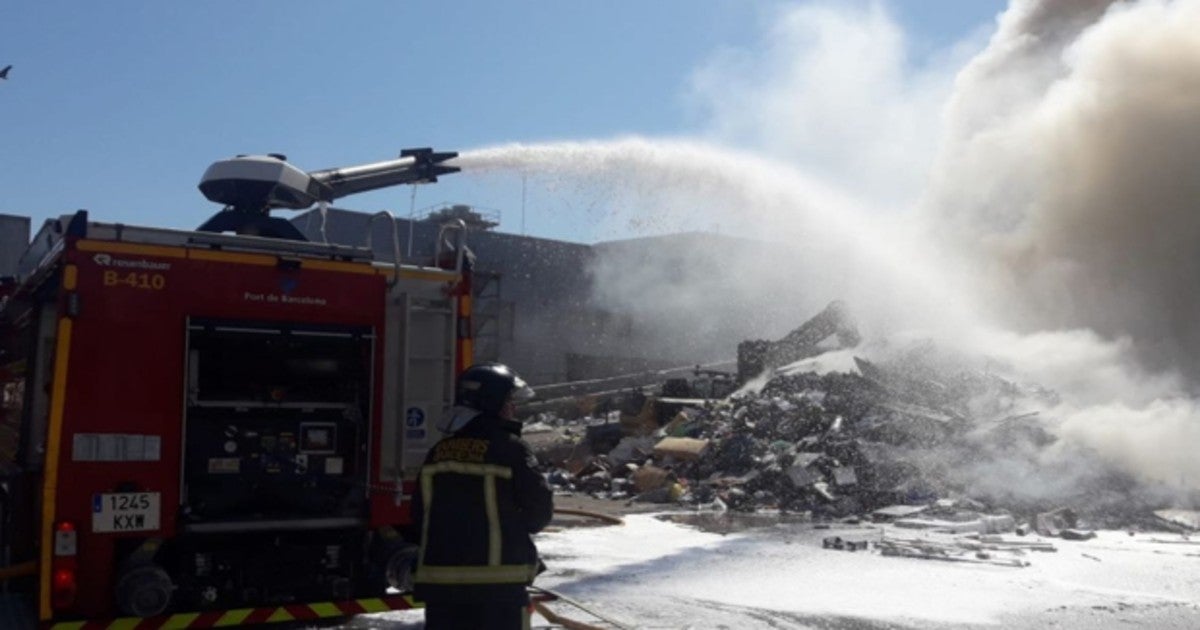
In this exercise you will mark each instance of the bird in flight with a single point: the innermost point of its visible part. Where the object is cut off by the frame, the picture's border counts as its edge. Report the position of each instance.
(4, 72)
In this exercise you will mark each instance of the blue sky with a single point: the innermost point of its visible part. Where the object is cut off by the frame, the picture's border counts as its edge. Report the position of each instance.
(118, 107)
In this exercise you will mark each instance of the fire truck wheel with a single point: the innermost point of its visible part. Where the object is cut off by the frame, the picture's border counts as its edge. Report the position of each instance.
(144, 591)
(401, 565)
(393, 567)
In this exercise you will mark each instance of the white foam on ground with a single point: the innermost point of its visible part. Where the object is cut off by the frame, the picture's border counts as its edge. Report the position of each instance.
(650, 573)
(657, 574)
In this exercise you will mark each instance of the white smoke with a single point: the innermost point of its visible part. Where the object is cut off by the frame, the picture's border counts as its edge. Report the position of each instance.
(835, 91)
(1028, 200)
(1061, 192)
(1077, 181)
(1065, 183)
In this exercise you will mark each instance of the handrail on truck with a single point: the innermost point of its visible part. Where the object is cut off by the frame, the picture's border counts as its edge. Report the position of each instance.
(395, 241)
(460, 244)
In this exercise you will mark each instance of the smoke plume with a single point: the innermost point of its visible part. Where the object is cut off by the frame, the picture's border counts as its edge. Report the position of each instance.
(1073, 140)
(1026, 199)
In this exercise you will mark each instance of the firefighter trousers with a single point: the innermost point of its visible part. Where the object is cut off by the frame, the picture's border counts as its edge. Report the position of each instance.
(473, 616)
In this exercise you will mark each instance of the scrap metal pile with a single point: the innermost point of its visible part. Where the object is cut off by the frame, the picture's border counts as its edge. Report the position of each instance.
(833, 444)
(895, 442)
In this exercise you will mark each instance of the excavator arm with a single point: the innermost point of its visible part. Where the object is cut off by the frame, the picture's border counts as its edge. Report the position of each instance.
(757, 356)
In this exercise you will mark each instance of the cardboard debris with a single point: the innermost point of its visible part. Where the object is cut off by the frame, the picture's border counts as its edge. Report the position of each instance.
(649, 478)
(686, 449)
(642, 423)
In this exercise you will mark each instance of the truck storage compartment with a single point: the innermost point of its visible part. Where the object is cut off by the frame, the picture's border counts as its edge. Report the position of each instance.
(276, 433)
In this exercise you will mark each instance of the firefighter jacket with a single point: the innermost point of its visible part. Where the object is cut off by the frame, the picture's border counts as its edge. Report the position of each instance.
(479, 500)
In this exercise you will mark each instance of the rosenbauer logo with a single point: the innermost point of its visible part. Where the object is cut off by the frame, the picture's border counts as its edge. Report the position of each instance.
(106, 260)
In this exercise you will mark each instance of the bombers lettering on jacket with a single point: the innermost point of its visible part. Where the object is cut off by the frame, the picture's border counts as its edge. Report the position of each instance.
(479, 500)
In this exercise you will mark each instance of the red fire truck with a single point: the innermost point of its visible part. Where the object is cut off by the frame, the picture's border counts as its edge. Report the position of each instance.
(220, 427)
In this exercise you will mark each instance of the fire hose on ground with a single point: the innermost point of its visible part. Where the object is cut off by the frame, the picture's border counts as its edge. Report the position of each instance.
(565, 622)
(607, 518)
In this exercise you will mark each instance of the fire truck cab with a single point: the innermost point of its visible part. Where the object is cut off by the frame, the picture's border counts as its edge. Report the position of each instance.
(221, 426)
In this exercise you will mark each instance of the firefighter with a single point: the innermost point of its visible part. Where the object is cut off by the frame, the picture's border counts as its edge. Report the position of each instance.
(479, 500)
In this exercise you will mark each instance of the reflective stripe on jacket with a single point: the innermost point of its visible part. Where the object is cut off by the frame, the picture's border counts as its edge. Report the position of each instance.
(479, 498)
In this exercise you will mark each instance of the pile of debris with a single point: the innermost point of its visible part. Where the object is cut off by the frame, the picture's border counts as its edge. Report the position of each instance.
(830, 443)
(836, 445)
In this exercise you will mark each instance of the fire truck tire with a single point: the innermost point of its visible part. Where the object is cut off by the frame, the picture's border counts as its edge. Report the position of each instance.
(401, 566)
(144, 591)
(393, 566)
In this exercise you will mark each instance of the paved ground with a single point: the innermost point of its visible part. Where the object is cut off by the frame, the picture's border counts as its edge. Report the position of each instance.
(762, 571)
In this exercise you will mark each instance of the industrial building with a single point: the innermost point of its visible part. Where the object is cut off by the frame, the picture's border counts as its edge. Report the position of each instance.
(14, 237)
(562, 311)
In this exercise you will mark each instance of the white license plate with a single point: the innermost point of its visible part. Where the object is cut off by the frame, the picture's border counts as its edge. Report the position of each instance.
(125, 512)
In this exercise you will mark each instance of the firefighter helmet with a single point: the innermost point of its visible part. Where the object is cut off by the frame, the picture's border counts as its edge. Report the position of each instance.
(488, 386)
